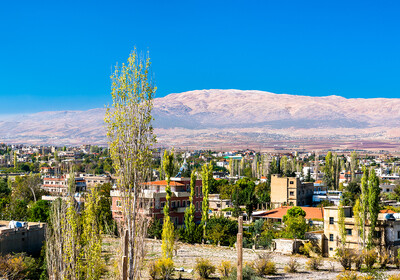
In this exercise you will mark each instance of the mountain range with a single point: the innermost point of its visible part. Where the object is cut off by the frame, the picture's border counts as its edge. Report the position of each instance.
(230, 119)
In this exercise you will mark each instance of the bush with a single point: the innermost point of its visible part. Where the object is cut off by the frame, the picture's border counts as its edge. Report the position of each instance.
(264, 267)
(314, 263)
(248, 273)
(153, 270)
(225, 268)
(394, 277)
(204, 268)
(347, 275)
(292, 266)
(165, 268)
(345, 257)
(358, 260)
(370, 257)
(310, 249)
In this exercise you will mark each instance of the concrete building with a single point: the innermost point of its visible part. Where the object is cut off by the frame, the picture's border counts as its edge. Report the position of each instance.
(92, 180)
(58, 185)
(27, 239)
(290, 191)
(217, 205)
(154, 197)
(387, 231)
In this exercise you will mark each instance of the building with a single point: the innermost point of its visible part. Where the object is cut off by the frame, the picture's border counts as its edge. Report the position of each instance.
(290, 191)
(217, 205)
(92, 180)
(314, 214)
(28, 238)
(154, 197)
(387, 231)
(330, 196)
(59, 185)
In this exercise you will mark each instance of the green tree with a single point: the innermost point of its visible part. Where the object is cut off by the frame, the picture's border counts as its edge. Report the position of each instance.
(190, 225)
(130, 139)
(39, 211)
(294, 212)
(364, 203)
(373, 205)
(168, 236)
(206, 177)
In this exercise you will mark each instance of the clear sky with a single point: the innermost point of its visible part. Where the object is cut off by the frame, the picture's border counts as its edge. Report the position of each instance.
(58, 55)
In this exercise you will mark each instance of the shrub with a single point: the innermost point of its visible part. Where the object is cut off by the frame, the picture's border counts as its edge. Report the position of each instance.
(292, 266)
(370, 257)
(248, 273)
(204, 268)
(165, 268)
(264, 267)
(153, 270)
(347, 275)
(314, 263)
(345, 257)
(310, 249)
(225, 268)
(358, 260)
(394, 277)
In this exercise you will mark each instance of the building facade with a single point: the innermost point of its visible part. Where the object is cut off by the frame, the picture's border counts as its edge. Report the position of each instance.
(290, 191)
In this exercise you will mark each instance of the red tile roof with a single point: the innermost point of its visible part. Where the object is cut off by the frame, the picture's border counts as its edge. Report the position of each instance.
(278, 213)
(385, 211)
(164, 183)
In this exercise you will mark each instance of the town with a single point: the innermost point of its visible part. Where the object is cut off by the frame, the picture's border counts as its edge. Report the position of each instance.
(307, 203)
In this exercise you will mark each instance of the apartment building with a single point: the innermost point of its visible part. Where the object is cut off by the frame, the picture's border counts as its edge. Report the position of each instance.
(92, 180)
(153, 200)
(290, 191)
(58, 185)
(387, 231)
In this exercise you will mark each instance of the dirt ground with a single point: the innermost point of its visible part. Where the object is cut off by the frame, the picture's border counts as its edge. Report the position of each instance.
(186, 256)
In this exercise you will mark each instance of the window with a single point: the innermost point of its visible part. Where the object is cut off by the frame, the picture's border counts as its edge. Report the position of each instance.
(330, 249)
(183, 203)
(349, 231)
(118, 203)
(291, 182)
(162, 204)
(331, 221)
(173, 204)
(377, 234)
(178, 204)
(291, 193)
(197, 206)
(398, 234)
(331, 237)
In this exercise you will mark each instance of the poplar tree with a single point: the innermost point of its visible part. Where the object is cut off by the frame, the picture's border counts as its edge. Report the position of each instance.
(190, 225)
(373, 204)
(364, 203)
(353, 165)
(130, 139)
(206, 177)
(168, 237)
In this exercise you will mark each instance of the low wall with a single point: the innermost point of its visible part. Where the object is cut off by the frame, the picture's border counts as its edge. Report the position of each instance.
(18, 240)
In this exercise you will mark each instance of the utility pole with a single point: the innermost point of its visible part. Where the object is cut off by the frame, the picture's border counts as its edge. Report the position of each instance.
(240, 249)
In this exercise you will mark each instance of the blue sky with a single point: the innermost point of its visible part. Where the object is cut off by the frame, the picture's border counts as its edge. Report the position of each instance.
(58, 55)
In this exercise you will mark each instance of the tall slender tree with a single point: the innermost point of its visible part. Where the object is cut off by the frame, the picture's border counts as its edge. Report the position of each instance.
(190, 225)
(364, 203)
(130, 138)
(373, 205)
(168, 236)
(206, 176)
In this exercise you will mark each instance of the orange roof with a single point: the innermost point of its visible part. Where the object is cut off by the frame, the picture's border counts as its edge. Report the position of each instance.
(385, 211)
(164, 183)
(318, 182)
(278, 213)
(263, 177)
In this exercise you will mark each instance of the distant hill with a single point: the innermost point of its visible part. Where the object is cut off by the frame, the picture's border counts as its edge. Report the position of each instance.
(215, 118)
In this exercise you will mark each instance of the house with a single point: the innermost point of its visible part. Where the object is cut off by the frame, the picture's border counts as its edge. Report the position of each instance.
(153, 197)
(290, 191)
(387, 231)
(58, 185)
(217, 205)
(314, 214)
(92, 180)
